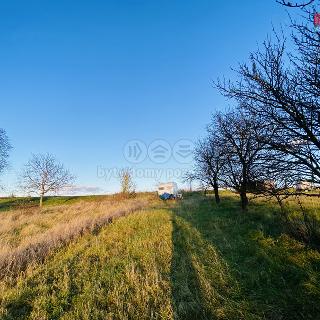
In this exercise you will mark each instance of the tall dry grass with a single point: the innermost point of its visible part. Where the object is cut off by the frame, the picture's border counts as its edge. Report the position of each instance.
(29, 235)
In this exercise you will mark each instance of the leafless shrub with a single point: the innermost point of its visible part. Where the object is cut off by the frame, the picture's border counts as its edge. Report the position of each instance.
(304, 225)
(126, 182)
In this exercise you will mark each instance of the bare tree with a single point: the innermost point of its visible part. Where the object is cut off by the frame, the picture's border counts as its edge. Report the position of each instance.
(43, 174)
(285, 91)
(245, 155)
(209, 162)
(126, 181)
(5, 147)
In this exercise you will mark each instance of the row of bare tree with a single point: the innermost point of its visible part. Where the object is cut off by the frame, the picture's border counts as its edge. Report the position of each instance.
(271, 140)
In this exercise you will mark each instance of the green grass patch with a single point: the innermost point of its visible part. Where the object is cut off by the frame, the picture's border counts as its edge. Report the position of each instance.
(8, 203)
(24, 202)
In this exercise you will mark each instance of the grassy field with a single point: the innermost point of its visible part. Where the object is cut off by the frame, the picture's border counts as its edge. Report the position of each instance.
(28, 234)
(185, 260)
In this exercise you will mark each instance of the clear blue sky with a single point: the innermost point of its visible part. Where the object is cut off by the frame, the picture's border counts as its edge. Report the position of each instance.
(81, 78)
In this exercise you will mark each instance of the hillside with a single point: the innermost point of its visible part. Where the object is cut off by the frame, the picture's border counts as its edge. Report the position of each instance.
(184, 260)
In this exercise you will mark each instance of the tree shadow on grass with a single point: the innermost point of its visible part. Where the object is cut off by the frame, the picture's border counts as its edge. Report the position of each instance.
(276, 277)
(188, 301)
(202, 286)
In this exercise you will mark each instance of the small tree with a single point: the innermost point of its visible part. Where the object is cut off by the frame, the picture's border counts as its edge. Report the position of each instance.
(126, 181)
(209, 162)
(44, 174)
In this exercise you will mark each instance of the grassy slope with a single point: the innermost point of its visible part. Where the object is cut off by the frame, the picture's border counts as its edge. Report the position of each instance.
(186, 261)
(8, 203)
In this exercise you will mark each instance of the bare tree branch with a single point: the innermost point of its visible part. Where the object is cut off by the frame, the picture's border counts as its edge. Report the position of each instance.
(295, 4)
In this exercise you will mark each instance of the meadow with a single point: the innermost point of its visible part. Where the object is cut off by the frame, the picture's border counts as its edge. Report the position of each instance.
(190, 259)
(28, 233)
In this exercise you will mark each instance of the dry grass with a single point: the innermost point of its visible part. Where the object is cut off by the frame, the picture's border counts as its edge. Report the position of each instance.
(29, 235)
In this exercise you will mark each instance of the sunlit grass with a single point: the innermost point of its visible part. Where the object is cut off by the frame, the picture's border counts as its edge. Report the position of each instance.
(122, 272)
(30, 234)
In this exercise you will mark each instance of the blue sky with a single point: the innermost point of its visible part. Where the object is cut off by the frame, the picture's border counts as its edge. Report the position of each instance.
(79, 79)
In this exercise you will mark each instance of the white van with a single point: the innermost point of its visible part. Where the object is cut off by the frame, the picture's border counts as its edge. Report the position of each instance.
(170, 188)
(304, 186)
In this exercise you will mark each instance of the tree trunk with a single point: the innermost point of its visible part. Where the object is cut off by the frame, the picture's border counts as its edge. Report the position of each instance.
(41, 200)
(243, 189)
(244, 200)
(216, 192)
